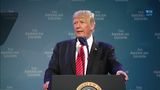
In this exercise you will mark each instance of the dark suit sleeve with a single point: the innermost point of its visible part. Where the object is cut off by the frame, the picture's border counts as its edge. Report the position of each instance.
(53, 67)
(113, 64)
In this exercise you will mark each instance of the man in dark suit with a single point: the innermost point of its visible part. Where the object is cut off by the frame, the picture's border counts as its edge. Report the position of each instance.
(99, 57)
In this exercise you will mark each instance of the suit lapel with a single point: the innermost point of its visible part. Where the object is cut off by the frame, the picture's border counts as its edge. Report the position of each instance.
(92, 55)
(71, 53)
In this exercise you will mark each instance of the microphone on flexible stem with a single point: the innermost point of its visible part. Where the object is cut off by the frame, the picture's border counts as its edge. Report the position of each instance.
(83, 41)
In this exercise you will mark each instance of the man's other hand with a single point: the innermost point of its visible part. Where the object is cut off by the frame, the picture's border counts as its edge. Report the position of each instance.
(45, 85)
(124, 74)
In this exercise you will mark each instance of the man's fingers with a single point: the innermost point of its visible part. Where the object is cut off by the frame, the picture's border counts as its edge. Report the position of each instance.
(45, 85)
(123, 74)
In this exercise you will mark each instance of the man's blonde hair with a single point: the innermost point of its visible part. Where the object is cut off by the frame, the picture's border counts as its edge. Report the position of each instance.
(85, 12)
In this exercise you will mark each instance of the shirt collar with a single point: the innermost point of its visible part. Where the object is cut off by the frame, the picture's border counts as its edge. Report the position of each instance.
(89, 41)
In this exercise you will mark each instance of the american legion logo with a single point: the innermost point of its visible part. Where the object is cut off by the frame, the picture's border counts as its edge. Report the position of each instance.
(88, 86)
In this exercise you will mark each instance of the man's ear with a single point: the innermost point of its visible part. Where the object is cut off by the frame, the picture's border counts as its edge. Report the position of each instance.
(92, 27)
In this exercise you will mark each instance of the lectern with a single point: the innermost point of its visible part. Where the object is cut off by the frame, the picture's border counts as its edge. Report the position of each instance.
(87, 82)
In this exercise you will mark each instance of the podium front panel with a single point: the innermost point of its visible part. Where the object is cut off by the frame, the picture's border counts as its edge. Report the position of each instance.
(87, 82)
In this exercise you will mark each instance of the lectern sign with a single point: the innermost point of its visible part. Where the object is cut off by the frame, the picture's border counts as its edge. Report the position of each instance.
(88, 86)
(87, 82)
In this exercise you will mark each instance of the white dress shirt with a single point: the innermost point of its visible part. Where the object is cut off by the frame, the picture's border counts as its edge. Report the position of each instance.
(89, 41)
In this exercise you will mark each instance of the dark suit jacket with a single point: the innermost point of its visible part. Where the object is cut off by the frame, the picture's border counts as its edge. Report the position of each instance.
(101, 60)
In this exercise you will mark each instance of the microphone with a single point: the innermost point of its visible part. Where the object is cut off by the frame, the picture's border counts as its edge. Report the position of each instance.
(83, 41)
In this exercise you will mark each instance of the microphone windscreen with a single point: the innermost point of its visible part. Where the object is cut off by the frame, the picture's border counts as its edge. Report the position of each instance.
(82, 40)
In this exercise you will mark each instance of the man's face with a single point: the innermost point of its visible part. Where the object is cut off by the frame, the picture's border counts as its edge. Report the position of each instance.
(82, 26)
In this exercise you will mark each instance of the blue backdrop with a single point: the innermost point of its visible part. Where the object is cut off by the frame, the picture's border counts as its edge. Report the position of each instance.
(131, 26)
